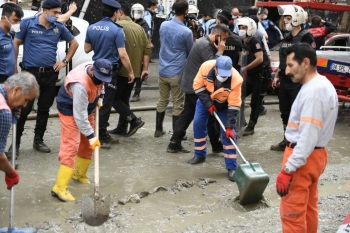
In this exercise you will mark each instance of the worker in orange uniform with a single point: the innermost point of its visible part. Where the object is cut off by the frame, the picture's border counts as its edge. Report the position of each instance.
(218, 87)
(76, 102)
(310, 128)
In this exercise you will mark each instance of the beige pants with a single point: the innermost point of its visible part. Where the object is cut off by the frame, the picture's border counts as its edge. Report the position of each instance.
(167, 86)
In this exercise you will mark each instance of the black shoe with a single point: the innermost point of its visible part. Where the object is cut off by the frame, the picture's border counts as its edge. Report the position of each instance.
(104, 137)
(174, 147)
(184, 138)
(135, 98)
(230, 175)
(248, 131)
(217, 148)
(196, 159)
(118, 131)
(280, 146)
(41, 146)
(135, 124)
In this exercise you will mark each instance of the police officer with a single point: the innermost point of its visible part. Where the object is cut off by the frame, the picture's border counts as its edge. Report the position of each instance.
(10, 19)
(293, 16)
(233, 44)
(106, 39)
(138, 49)
(149, 16)
(320, 29)
(253, 50)
(137, 13)
(38, 32)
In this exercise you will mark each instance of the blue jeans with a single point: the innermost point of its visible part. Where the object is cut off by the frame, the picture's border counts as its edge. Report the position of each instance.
(201, 117)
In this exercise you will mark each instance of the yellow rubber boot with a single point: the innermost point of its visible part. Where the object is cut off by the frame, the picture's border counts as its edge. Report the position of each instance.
(60, 190)
(80, 169)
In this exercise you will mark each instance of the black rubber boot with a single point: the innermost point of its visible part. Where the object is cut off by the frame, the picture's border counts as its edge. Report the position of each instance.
(121, 129)
(39, 144)
(105, 138)
(282, 145)
(159, 124)
(175, 147)
(135, 124)
(249, 130)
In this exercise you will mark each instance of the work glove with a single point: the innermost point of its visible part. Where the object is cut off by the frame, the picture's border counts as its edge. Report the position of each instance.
(94, 142)
(211, 109)
(283, 182)
(230, 133)
(100, 103)
(11, 179)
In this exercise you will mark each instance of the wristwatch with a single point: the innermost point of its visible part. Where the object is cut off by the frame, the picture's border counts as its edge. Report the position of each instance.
(287, 170)
(65, 61)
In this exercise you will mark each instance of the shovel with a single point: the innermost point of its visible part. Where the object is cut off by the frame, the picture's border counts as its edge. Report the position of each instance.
(95, 208)
(11, 229)
(250, 177)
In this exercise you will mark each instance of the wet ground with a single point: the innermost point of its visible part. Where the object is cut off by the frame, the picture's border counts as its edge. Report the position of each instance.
(154, 191)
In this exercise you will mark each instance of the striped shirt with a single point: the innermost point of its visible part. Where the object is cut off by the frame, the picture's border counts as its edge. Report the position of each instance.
(5, 122)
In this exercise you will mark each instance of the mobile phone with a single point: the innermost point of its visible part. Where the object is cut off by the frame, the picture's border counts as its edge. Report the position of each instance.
(217, 37)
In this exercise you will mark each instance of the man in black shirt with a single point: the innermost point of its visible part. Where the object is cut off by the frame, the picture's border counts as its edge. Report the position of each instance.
(293, 16)
(253, 71)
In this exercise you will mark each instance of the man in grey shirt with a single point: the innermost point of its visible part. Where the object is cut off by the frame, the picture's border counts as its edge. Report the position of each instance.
(206, 48)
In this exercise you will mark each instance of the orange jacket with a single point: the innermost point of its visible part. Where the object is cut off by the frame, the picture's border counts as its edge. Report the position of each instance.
(226, 95)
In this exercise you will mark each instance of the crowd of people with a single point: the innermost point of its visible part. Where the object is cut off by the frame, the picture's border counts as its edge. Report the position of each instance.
(205, 74)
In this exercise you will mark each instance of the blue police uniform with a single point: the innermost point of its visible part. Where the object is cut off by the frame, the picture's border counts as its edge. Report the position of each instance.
(39, 57)
(7, 56)
(106, 37)
(34, 36)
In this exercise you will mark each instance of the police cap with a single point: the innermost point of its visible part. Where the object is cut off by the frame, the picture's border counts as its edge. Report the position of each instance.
(50, 4)
(112, 3)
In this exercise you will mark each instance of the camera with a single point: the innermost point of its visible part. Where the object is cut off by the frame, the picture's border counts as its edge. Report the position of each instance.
(189, 21)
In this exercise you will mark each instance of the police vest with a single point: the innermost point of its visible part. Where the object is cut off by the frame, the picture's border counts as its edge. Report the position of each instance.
(232, 49)
(251, 56)
(287, 42)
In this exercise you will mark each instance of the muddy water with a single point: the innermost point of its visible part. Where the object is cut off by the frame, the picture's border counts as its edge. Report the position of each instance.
(166, 194)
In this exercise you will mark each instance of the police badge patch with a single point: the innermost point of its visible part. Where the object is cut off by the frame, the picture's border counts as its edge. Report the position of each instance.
(257, 45)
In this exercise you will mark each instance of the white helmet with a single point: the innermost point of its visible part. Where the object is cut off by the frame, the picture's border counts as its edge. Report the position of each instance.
(193, 9)
(250, 23)
(137, 11)
(297, 13)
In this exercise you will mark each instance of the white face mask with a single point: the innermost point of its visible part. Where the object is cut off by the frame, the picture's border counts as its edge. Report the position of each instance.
(242, 33)
(15, 28)
(234, 17)
(265, 17)
(221, 79)
(289, 27)
(137, 16)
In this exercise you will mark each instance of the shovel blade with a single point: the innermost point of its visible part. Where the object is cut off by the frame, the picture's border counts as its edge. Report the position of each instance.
(251, 181)
(95, 212)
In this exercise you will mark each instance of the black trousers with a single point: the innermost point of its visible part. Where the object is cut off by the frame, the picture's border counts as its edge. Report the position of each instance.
(122, 97)
(47, 85)
(253, 87)
(105, 110)
(287, 93)
(187, 116)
